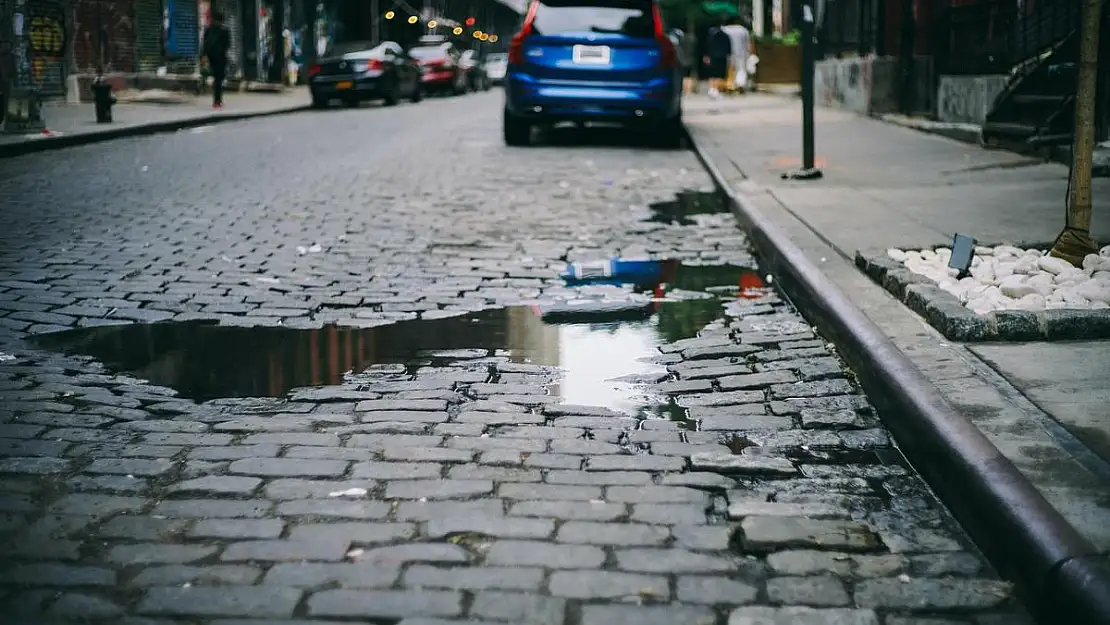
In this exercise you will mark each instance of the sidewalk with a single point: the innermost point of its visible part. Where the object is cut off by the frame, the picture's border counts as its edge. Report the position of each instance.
(887, 186)
(73, 124)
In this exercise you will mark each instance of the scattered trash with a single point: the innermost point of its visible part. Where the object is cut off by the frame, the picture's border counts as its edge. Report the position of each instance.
(350, 492)
(145, 168)
(6, 357)
(618, 271)
(355, 553)
(201, 129)
(315, 248)
(267, 280)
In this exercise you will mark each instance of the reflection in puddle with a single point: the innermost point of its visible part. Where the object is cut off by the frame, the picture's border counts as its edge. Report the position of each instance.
(686, 205)
(602, 361)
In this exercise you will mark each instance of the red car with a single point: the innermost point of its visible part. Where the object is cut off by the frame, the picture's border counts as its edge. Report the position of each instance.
(439, 62)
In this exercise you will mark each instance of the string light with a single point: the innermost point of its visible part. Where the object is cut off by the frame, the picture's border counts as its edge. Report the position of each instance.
(458, 30)
(390, 15)
(432, 24)
(413, 19)
(493, 38)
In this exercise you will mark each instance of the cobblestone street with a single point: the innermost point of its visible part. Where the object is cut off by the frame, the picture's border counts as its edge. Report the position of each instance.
(463, 486)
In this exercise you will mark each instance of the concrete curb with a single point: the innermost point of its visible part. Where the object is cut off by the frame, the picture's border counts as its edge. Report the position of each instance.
(1059, 574)
(8, 150)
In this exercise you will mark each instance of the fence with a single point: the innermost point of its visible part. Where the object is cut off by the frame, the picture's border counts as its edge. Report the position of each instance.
(995, 36)
(852, 27)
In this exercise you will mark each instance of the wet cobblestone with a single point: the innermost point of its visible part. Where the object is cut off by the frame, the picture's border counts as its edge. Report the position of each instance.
(457, 492)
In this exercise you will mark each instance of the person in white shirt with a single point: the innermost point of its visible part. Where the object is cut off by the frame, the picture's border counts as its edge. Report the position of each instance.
(741, 48)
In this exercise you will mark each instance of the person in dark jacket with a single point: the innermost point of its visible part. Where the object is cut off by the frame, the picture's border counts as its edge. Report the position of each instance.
(718, 50)
(217, 43)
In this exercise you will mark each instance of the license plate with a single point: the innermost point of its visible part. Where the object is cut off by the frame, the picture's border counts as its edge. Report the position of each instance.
(591, 55)
(346, 84)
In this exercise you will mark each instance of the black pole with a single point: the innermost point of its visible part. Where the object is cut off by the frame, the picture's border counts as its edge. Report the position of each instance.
(809, 170)
(909, 45)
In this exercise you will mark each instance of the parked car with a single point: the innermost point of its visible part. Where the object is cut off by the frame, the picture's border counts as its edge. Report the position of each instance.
(590, 61)
(439, 60)
(355, 72)
(475, 67)
(496, 65)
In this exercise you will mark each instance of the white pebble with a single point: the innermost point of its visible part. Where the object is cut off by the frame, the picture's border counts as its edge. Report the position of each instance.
(1093, 291)
(982, 251)
(1015, 286)
(1105, 252)
(1070, 275)
(1052, 264)
(983, 272)
(896, 255)
(1003, 269)
(1033, 301)
(928, 255)
(1025, 265)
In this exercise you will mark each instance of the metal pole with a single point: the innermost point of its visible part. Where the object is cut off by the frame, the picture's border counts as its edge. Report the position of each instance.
(375, 21)
(809, 169)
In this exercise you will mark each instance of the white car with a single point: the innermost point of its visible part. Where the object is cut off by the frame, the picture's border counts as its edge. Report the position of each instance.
(496, 66)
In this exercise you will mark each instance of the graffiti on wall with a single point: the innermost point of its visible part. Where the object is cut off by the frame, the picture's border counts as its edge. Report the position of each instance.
(967, 99)
(843, 83)
(103, 35)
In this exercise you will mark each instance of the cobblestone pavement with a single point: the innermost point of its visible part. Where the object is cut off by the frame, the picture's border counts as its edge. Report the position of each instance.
(453, 493)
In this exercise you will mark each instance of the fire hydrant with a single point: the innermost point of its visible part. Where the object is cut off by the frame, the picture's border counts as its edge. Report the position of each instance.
(103, 99)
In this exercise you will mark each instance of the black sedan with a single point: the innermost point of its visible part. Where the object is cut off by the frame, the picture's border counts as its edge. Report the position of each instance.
(356, 72)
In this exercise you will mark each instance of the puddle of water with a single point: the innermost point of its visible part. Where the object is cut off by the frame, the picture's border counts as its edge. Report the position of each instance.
(605, 351)
(686, 205)
(204, 361)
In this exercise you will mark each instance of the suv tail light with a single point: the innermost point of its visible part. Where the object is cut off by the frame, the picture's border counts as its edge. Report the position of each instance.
(374, 65)
(668, 56)
(516, 46)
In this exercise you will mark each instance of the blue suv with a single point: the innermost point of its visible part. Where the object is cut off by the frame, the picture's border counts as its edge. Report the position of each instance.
(593, 61)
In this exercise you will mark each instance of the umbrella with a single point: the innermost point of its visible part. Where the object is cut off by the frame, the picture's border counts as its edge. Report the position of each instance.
(721, 8)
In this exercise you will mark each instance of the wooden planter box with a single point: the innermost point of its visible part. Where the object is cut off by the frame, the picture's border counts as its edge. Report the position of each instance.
(778, 63)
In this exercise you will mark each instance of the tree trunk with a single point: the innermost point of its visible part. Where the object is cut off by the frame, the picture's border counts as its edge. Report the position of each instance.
(1075, 241)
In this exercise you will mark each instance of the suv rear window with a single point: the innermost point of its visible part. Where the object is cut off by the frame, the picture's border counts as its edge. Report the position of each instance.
(610, 17)
(428, 52)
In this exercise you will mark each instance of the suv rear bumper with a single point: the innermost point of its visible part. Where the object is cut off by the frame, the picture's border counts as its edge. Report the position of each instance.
(530, 98)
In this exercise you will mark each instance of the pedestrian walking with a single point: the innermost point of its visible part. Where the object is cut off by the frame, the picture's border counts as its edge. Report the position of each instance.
(718, 49)
(742, 49)
(217, 42)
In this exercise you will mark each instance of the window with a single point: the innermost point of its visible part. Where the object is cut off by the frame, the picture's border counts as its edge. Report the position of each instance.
(434, 52)
(610, 17)
(350, 47)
